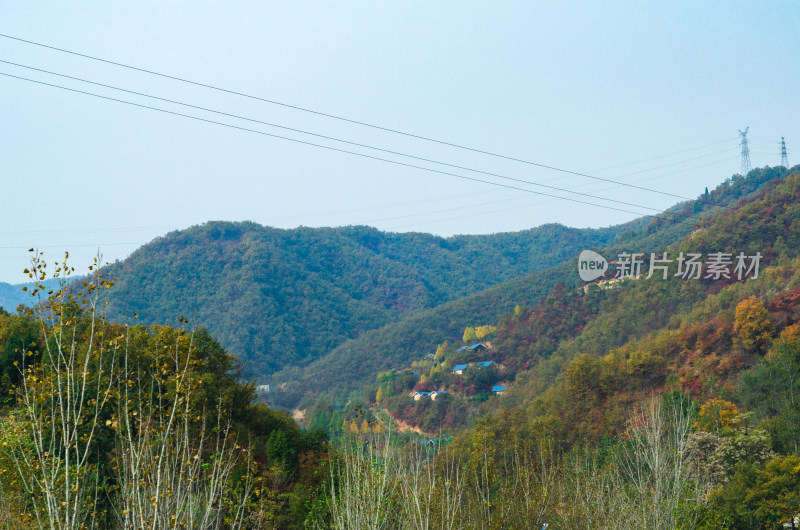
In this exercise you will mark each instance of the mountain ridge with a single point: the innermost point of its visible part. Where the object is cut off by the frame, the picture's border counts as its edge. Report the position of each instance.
(279, 297)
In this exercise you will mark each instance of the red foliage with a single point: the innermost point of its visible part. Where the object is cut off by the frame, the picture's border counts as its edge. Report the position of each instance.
(692, 387)
(785, 308)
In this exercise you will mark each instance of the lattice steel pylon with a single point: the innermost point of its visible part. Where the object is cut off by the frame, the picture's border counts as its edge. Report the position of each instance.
(784, 156)
(745, 152)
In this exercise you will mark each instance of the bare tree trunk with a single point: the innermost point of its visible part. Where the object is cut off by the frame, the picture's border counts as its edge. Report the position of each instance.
(363, 485)
(170, 472)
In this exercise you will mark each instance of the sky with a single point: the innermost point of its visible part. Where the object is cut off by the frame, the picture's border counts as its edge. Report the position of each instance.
(644, 93)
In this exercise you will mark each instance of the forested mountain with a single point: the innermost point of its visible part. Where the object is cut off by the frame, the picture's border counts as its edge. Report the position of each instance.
(627, 338)
(666, 398)
(279, 298)
(397, 344)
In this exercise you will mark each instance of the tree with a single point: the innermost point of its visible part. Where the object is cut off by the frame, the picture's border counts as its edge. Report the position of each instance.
(583, 376)
(19, 343)
(107, 431)
(441, 351)
(717, 457)
(760, 497)
(752, 326)
(772, 390)
(716, 415)
(469, 334)
(481, 332)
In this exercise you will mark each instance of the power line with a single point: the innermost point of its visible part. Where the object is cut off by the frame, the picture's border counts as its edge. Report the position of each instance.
(363, 155)
(335, 139)
(489, 212)
(371, 222)
(678, 162)
(378, 148)
(361, 210)
(341, 118)
(697, 148)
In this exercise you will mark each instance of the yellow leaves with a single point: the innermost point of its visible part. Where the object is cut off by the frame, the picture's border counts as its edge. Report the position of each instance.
(752, 326)
(469, 334)
(717, 414)
(484, 331)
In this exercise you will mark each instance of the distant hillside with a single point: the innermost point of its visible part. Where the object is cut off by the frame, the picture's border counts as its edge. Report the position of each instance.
(277, 298)
(11, 296)
(397, 344)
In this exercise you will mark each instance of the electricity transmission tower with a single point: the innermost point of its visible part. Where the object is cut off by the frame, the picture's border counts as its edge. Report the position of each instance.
(784, 156)
(745, 152)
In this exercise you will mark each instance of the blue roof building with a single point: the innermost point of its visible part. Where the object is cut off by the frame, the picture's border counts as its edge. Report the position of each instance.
(498, 388)
(418, 395)
(485, 364)
(437, 393)
(476, 346)
(434, 441)
(459, 368)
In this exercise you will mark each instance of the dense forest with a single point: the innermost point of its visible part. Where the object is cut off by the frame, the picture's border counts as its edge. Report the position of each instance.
(105, 425)
(278, 298)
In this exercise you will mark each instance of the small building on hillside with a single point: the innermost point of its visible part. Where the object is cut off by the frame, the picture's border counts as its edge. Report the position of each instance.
(477, 347)
(418, 395)
(462, 348)
(435, 441)
(485, 364)
(459, 368)
(262, 389)
(437, 393)
(498, 389)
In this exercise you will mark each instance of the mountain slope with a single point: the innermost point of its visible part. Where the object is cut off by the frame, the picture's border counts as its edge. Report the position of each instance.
(395, 345)
(700, 337)
(285, 297)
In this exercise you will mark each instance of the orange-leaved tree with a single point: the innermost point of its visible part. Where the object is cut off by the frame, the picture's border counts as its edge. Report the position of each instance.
(752, 327)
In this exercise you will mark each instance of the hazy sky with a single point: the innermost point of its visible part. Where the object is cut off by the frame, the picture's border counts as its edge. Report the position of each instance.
(647, 93)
